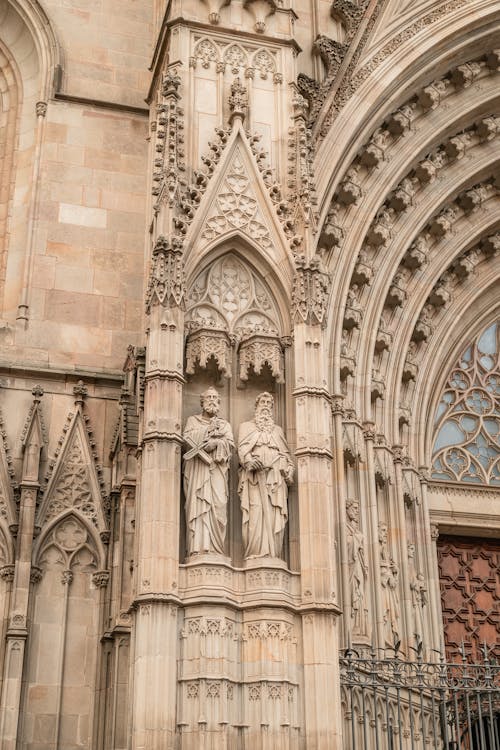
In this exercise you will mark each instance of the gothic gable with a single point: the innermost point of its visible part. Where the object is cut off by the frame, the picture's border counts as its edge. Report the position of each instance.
(74, 483)
(237, 202)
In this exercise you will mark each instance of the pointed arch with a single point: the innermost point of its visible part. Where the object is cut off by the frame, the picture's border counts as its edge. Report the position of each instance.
(27, 17)
(467, 420)
(68, 557)
(30, 62)
(246, 250)
(83, 530)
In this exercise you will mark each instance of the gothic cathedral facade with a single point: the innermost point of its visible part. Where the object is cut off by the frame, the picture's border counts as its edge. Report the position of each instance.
(249, 366)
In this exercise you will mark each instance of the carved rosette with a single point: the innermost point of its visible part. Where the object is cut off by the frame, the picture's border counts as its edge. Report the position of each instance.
(310, 292)
(205, 343)
(166, 283)
(256, 351)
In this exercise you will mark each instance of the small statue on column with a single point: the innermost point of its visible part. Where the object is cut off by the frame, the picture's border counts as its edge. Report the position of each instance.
(418, 591)
(358, 569)
(206, 463)
(389, 578)
(266, 472)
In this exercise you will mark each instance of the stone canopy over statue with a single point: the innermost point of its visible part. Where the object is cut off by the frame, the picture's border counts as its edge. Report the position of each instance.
(209, 442)
(265, 473)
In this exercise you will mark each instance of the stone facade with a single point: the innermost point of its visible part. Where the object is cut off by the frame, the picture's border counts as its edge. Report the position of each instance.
(293, 202)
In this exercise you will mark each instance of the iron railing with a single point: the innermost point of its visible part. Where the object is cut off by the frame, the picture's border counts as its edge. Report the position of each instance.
(390, 703)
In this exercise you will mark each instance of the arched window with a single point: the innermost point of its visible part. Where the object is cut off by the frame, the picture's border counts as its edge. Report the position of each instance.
(467, 425)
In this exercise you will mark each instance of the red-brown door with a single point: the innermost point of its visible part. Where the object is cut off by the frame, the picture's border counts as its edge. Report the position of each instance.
(469, 571)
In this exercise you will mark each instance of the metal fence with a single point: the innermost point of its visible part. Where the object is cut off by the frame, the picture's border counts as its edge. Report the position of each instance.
(394, 704)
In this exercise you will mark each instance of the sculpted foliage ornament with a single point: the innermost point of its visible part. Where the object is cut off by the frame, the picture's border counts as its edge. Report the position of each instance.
(169, 164)
(238, 100)
(354, 76)
(166, 281)
(310, 291)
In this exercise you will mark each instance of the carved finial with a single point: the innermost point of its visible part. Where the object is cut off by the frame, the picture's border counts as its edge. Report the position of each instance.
(171, 82)
(238, 101)
(300, 106)
(37, 392)
(80, 391)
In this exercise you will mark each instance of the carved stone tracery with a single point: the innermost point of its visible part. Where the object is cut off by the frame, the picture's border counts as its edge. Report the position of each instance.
(468, 416)
(229, 306)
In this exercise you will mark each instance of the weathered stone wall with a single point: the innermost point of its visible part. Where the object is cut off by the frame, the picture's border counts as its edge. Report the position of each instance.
(294, 198)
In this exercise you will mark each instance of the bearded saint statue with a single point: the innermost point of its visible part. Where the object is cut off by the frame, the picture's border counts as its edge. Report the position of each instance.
(266, 471)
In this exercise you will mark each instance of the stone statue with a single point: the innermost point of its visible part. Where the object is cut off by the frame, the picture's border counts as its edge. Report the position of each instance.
(358, 570)
(418, 594)
(210, 441)
(389, 578)
(265, 473)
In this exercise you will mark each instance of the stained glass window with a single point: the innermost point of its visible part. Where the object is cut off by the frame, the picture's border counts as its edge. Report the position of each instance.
(467, 424)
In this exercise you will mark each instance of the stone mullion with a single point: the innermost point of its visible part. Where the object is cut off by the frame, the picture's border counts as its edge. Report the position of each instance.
(316, 536)
(371, 495)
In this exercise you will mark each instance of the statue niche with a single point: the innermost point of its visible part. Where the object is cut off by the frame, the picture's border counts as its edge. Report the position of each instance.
(234, 342)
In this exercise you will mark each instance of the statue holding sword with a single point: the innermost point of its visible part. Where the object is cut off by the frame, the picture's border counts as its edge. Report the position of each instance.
(265, 474)
(209, 441)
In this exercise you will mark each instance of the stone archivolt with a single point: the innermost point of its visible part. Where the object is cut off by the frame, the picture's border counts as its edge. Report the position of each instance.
(404, 196)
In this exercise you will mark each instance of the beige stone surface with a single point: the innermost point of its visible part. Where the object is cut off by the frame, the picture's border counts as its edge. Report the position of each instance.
(296, 197)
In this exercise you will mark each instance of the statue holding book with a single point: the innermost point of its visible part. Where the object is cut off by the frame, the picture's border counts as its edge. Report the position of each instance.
(209, 441)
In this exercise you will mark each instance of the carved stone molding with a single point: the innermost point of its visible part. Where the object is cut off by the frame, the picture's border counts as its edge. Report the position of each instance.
(169, 164)
(205, 343)
(310, 292)
(166, 281)
(354, 76)
(257, 350)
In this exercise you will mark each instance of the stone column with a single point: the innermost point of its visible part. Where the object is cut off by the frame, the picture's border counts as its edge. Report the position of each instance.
(340, 495)
(431, 532)
(316, 509)
(157, 514)
(371, 494)
(17, 631)
(402, 542)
